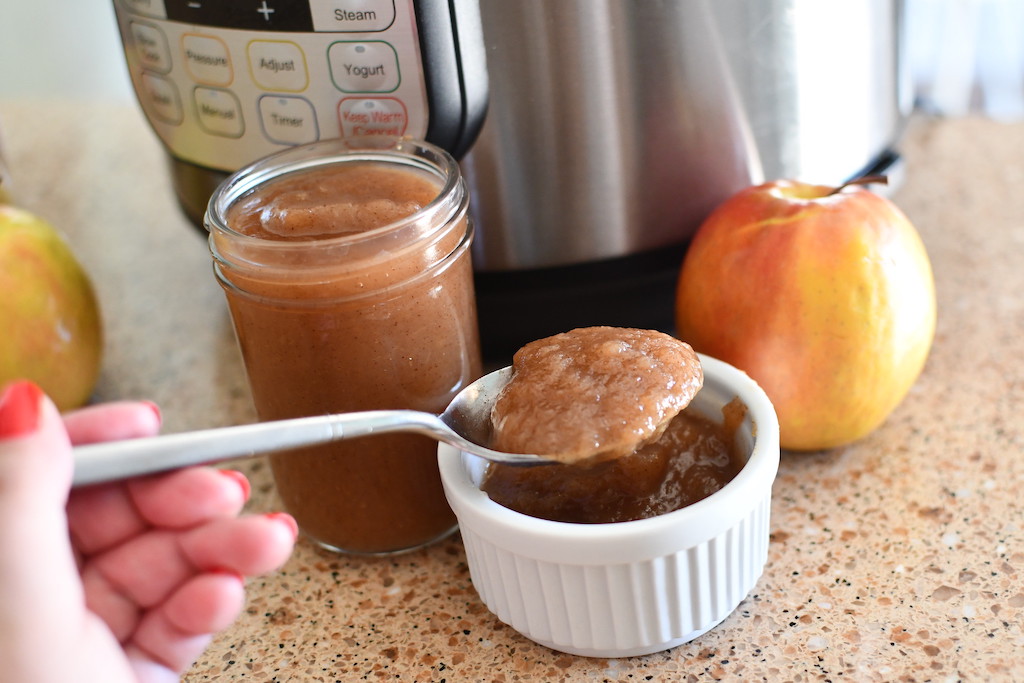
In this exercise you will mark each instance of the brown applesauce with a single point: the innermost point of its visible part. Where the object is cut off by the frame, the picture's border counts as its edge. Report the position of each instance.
(608, 404)
(350, 288)
(692, 459)
(593, 393)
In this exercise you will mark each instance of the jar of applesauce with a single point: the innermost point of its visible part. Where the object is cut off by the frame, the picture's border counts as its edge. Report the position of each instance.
(346, 268)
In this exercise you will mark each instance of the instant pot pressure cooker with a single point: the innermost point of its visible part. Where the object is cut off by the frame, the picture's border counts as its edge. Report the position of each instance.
(612, 127)
(224, 82)
(615, 126)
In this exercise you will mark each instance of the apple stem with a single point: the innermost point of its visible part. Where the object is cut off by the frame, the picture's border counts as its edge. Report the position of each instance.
(862, 180)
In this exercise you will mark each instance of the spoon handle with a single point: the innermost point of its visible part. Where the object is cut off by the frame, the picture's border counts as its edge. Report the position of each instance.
(113, 460)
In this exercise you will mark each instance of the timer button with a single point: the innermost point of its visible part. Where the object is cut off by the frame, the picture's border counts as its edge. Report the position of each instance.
(278, 65)
(288, 120)
(207, 59)
(369, 66)
(151, 46)
(219, 112)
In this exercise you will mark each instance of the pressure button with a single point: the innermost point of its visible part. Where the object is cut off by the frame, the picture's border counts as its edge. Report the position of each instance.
(207, 59)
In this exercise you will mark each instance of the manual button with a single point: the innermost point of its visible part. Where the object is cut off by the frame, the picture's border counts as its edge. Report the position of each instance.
(219, 112)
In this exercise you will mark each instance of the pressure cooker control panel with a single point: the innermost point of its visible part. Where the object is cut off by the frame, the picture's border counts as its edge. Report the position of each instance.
(224, 83)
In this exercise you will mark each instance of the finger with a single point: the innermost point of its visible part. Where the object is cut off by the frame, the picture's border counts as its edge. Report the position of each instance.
(147, 569)
(35, 475)
(113, 422)
(118, 611)
(176, 632)
(208, 603)
(104, 516)
(248, 545)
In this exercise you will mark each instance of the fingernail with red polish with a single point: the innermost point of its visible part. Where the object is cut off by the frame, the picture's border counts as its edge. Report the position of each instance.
(286, 519)
(240, 479)
(20, 407)
(156, 410)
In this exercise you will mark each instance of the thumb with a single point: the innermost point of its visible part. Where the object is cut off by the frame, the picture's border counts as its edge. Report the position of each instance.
(35, 452)
(37, 566)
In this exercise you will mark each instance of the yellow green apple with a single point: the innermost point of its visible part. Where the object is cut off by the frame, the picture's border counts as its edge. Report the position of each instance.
(824, 296)
(50, 324)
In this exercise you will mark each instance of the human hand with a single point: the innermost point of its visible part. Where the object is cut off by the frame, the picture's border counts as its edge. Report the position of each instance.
(117, 582)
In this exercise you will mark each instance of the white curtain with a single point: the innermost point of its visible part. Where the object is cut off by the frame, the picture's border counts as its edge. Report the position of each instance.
(967, 56)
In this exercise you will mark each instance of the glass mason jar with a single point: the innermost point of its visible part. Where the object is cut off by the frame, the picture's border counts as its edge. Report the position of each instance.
(380, 318)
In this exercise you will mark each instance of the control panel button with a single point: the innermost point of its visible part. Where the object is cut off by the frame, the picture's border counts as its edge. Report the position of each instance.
(161, 97)
(372, 116)
(151, 8)
(353, 16)
(219, 112)
(207, 59)
(288, 120)
(278, 65)
(369, 66)
(151, 46)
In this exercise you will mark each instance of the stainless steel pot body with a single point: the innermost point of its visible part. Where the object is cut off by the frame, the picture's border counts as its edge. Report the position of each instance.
(615, 126)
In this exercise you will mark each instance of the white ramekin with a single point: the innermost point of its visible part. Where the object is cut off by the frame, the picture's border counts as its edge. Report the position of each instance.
(629, 588)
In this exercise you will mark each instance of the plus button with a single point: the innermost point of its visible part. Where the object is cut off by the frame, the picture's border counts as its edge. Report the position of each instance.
(265, 11)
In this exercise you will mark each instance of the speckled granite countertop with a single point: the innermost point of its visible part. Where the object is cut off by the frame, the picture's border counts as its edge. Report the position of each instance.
(899, 558)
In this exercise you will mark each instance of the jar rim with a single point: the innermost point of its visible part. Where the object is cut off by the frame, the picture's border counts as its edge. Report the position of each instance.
(402, 151)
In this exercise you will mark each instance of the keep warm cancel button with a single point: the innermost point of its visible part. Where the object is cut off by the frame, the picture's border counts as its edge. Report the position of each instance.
(372, 116)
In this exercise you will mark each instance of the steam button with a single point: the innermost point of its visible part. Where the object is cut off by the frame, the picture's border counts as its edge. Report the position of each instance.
(353, 16)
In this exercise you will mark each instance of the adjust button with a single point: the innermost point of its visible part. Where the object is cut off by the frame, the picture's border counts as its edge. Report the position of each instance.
(278, 65)
(370, 66)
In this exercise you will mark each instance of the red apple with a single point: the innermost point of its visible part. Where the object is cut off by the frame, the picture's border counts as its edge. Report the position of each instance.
(825, 297)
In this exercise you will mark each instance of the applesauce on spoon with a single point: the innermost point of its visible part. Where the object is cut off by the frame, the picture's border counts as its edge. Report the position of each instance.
(609, 404)
(593, 393)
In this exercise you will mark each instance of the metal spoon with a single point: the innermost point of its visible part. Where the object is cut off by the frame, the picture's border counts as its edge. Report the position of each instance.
(465, 424)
